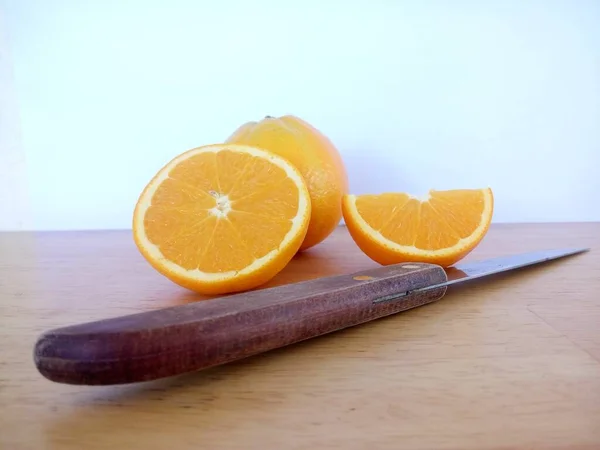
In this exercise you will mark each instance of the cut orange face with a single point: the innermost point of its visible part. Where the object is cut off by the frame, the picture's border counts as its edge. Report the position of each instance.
(398, 227)
(222, 218)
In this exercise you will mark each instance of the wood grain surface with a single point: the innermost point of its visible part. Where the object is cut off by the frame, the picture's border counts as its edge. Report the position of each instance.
(511, 362)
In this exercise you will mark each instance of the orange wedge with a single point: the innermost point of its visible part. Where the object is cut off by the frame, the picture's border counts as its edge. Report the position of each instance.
(222, 218)
(439, 229)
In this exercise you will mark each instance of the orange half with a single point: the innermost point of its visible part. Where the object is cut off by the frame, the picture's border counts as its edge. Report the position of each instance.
(222, 218)
(398, 227)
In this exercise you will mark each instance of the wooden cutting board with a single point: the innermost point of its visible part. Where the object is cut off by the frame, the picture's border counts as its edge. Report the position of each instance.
(508, 363)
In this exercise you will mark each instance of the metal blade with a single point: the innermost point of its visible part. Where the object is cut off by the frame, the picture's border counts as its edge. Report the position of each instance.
(477, 269)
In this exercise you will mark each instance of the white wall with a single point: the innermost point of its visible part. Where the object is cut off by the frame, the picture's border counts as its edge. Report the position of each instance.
(416, 95)
(14, 199)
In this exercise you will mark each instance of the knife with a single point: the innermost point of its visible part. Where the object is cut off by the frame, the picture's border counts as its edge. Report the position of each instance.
(185, 338)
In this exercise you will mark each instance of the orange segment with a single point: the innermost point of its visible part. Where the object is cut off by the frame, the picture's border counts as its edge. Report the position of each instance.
(403, 215)
(397, 227)
(222, 218)
(462, 208)
(260, 236)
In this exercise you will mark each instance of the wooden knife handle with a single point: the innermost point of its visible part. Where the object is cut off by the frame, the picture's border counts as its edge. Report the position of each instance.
(179, 339)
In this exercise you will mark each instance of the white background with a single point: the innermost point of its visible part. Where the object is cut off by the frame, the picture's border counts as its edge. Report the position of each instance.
(95, 96)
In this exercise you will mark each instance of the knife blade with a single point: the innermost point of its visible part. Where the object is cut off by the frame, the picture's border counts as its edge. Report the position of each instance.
(186, 338)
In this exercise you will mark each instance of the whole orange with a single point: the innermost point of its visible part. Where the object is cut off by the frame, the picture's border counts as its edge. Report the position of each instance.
(317, 159)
